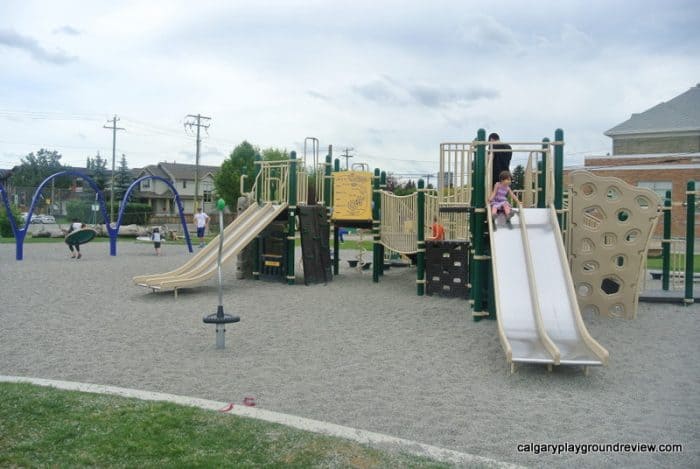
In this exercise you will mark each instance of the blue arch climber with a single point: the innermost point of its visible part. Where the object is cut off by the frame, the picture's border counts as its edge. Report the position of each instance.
(21, 233)
(180, 210)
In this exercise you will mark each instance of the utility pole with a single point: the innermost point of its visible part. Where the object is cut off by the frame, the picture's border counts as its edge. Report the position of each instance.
(196, 121)
(114, 129)
(347, 157)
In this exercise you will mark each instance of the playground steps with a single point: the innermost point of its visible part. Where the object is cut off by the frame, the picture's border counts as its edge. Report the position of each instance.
(447, 268)
(272, 252)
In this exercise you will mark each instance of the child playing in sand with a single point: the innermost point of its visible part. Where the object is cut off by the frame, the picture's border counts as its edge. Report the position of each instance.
(498, 200)
(155, 236)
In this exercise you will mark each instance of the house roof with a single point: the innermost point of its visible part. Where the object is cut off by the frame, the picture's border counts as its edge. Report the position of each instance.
(153, 170)
(681, 114)
(179, 171)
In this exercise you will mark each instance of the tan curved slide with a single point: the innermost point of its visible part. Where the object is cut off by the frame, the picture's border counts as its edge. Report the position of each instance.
(203, 265)
(539, 320)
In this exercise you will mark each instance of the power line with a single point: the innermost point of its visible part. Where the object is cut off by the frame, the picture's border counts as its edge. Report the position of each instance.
(347, 156)
(190, 124)
(114, 129)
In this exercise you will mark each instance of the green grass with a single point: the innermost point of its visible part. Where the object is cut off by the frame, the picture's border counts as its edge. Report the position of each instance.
(656, 263)
(349, 244)
(42, 426)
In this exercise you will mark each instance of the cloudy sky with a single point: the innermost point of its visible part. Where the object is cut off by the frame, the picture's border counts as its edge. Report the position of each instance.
(391, 79)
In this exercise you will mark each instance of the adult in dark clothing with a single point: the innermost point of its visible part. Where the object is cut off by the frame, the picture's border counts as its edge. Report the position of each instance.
(501, 158)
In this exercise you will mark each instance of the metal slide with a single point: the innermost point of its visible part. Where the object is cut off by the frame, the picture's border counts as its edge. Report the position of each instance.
(538, 317)
(202, 266)
(555, 290)
(520, 324)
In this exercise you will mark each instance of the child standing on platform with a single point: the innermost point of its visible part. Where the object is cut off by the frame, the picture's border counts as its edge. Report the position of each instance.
(498, 199)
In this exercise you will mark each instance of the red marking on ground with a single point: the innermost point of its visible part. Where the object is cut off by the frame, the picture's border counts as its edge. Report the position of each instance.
(227, 408)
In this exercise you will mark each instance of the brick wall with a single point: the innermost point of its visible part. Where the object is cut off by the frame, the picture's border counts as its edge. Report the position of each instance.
(641, 145)
(679, 180)
(664, 159)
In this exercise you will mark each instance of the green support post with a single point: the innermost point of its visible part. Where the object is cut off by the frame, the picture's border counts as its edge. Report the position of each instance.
(542, 176)
(479, 262)
(327, 182)
(666, 243)
(420, 257)
(291, 219)
(327, 187)
(258, 200)
(382, 186)
(689, 243)
(258, 169)
(375, 227)
(559, 175)
(336, 238)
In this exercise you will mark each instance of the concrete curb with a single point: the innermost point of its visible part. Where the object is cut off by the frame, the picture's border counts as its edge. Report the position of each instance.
(377, 440)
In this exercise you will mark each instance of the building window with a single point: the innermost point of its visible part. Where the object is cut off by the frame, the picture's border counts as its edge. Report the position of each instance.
(184, 184)
(206, 196)
(145, 184)
(660, 187)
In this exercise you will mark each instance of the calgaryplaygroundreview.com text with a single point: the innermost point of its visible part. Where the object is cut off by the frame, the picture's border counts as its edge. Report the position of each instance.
(586, 448)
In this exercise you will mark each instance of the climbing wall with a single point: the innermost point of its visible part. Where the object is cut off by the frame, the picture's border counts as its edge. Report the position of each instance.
(315, 249)
(611, 222)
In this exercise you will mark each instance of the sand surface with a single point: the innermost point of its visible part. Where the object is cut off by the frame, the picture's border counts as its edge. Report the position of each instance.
(370, 356)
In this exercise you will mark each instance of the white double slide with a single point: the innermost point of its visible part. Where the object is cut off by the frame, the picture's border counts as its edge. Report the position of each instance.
(539, 320)
(203, 265)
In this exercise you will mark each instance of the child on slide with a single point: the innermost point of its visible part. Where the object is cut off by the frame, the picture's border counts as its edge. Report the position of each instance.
(499, 201)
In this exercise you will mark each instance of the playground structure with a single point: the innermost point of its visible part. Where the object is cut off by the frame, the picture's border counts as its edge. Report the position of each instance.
(112, 228)
(568, 251)
(678, 255)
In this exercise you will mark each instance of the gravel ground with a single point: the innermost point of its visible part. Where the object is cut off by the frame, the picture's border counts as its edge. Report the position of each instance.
(375, 357)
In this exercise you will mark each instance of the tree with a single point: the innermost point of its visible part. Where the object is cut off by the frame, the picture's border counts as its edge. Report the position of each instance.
(5, 226)
(227, 181)
(97, 168)
(122, 179)
(406, 189)
(35, 168)
(391, 183)
(274, 154)
(518, 178)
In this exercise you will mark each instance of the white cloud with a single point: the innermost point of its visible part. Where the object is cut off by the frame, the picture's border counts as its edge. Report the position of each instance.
(392, 80)
(13, 40)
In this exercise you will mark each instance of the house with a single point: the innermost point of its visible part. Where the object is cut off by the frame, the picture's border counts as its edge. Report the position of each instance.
(670, 127)
(182, 176)
(658, 149)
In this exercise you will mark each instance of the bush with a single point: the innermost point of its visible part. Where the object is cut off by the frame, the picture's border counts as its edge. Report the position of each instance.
(138, 214)
(81, 210)
(5, 227)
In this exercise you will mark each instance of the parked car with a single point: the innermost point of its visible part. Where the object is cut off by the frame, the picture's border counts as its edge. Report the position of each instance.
(38, 218)
(35, 218)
